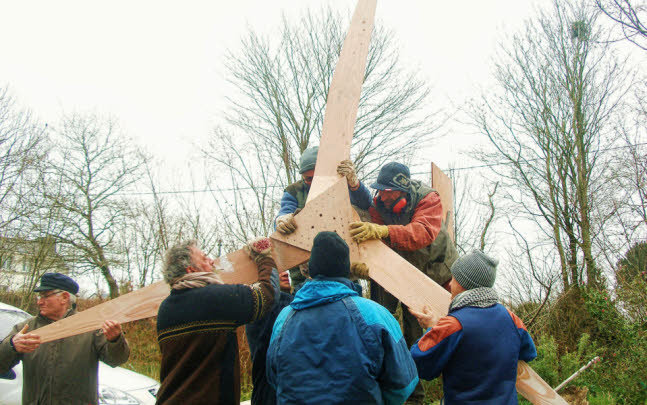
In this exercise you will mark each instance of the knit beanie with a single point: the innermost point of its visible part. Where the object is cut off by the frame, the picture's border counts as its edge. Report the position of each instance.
(308, 159)
(474, 270)
(329, 256)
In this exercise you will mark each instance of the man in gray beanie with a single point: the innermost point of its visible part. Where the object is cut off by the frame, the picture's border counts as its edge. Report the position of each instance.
(478, 344)
(295, 196)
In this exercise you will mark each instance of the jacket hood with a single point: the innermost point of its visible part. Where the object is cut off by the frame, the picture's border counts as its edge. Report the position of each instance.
(322, 290)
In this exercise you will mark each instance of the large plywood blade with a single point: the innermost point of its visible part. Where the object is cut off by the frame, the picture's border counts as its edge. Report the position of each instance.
(235, 268)
(534, 389)
(402, 279)
(287, 256)
(343, 95)
(441, 183)
(329, 211)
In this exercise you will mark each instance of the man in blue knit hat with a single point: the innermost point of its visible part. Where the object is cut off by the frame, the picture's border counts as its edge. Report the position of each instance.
(478, 344)
(331, 346)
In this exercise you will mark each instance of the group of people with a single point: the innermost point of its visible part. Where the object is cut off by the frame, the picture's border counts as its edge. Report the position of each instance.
(313, 338)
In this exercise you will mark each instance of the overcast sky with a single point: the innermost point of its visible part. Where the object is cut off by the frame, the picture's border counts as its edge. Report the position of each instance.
(156, 65)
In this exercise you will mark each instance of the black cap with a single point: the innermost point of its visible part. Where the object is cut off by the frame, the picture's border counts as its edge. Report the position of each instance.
(393, 176)
(329, 256)
(57, 281)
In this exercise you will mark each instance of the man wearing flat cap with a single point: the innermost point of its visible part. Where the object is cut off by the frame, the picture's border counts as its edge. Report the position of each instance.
(63, 371)
(331, 346)
(478, 344)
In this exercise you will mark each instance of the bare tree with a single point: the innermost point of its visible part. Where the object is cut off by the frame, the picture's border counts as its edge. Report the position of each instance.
(277, 103)
(94, 165)
(629, 17)
(21, 150)
(558, 87)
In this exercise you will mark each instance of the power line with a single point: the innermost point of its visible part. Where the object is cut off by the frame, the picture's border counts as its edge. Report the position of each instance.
(211, 190)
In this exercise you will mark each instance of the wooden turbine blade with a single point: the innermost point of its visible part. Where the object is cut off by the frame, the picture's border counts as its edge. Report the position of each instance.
(343, 96)
(235, 268)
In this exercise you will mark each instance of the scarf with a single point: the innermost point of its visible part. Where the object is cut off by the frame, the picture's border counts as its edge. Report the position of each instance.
(481, 297)
(195, 280)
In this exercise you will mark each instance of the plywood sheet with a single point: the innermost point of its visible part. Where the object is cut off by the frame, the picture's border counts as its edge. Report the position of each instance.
(343, 96)
(236, 268)
(441, 183)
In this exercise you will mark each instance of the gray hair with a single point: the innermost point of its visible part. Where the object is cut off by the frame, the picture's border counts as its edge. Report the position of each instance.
(177, 259)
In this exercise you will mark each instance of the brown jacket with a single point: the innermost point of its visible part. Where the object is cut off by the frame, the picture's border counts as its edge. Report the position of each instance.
(63, 371)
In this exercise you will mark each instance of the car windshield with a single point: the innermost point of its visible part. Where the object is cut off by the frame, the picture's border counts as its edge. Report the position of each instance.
(8, 319)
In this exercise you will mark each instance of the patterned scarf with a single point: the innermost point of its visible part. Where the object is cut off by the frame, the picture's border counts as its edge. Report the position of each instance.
(481, 297)
(196, 280)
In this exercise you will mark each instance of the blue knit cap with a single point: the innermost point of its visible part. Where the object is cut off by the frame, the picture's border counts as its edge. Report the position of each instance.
(475, 270)
(393, 176)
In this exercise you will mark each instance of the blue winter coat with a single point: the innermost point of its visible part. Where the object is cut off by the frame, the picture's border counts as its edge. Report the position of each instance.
(331, 346)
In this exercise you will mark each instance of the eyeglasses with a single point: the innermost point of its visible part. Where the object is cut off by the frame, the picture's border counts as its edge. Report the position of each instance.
(48, 294)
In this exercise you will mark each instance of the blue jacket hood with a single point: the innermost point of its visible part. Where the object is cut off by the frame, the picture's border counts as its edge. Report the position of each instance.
(322, 290)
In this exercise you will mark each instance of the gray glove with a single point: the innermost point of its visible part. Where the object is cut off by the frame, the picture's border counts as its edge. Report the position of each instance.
(286, 224)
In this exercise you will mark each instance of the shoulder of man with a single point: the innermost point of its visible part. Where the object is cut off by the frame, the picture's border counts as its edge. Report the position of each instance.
(295, 187)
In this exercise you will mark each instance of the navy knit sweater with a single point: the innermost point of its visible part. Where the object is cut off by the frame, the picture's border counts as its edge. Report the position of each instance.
(196, 332)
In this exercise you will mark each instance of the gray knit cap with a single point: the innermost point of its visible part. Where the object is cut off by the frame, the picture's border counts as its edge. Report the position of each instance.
(308, 159)
(474, 270)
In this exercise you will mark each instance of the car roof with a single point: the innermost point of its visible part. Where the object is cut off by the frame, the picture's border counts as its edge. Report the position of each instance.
(7, 307)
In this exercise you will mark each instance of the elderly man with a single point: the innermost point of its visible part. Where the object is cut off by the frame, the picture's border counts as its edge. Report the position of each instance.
(407, 216)
(196, 325)
(295, 196)
(331, 346)
(478, 344)
(62, 371)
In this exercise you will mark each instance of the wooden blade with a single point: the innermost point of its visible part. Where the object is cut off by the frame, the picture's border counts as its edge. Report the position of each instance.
(534, 389)
(343, 96)
(441, 183)
(402, 279)
(236, 268)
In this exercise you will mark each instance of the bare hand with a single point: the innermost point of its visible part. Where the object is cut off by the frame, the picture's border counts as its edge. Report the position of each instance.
(427, 318)
(111, 330)
(25, 342)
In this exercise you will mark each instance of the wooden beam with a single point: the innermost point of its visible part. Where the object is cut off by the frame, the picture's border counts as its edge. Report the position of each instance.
(441, 183)
(235, 268)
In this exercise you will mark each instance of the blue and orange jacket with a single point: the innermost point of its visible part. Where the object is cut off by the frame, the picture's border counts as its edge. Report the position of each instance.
(331, 346)
(477, 351)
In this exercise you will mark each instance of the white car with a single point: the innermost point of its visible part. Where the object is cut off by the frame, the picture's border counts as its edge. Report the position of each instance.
(117, 386)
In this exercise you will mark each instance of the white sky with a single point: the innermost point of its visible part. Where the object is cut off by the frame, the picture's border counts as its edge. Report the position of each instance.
(155, 65)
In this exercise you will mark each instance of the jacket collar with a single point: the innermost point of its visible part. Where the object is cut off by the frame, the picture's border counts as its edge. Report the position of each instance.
(322, 290)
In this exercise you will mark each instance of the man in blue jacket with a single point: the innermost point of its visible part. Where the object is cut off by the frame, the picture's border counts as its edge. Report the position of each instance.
(478, 344)
(331, 346)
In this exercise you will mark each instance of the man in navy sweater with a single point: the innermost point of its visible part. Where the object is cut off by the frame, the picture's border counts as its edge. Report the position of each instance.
(478, 344)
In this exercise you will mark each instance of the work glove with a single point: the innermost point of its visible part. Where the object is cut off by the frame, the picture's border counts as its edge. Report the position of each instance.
(304, 268)
(361, 231)
(286, 224)
(347, 169)
(259, 250)
(359, 270)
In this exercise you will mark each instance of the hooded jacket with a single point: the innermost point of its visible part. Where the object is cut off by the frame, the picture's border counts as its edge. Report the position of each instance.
(331, 346)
